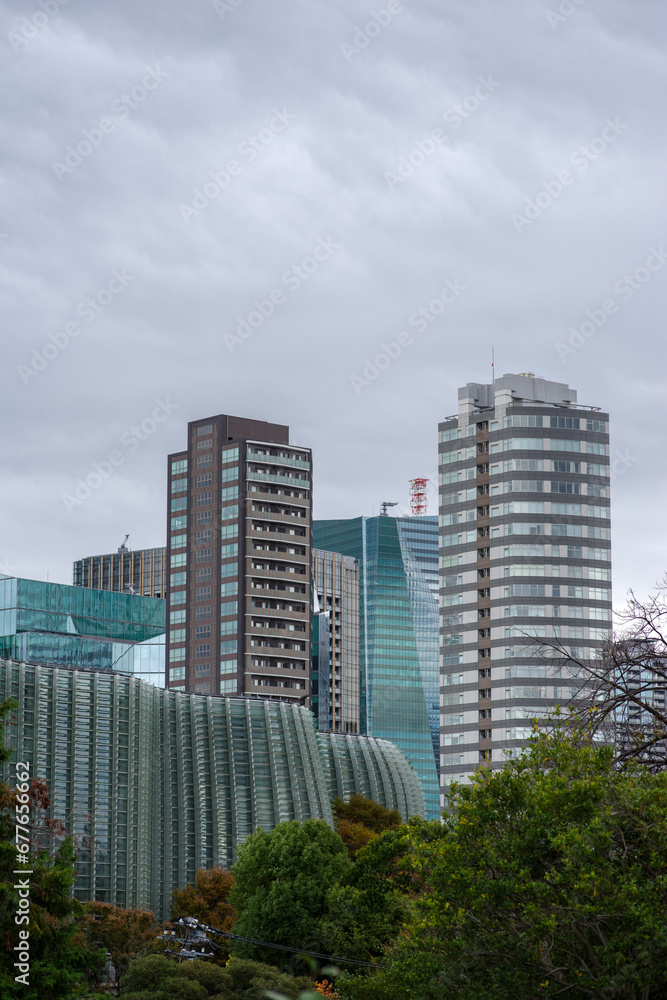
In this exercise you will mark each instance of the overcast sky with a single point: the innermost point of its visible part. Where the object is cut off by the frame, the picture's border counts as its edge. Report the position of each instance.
(504, 161)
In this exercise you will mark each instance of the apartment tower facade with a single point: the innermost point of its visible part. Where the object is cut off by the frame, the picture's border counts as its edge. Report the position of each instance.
(336, 584)
(239, 585)
(525, 554)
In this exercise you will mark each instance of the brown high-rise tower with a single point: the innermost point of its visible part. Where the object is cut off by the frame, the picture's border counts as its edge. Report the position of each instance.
(239, 585)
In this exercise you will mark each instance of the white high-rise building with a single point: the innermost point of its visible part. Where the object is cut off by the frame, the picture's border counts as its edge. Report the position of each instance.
(525, 552)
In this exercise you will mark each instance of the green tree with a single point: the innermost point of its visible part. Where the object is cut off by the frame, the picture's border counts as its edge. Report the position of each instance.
(281, 880)
(58, 966)
(361, 820)
(207, 901)
(159, 978)
(369, 907)
(549, 879)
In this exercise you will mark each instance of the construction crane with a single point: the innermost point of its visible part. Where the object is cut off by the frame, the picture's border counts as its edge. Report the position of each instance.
(385, 505)
(123, 547)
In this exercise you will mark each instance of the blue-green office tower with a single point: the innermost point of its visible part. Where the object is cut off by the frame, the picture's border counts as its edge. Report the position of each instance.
(398, 626)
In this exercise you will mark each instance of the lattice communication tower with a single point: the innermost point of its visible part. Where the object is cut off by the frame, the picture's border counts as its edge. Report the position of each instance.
(418, 502)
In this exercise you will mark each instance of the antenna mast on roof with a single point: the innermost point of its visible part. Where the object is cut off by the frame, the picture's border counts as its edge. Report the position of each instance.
(418, 502)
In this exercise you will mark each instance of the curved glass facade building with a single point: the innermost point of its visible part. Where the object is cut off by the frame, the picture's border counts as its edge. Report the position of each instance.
(154, 784)
(376, 769)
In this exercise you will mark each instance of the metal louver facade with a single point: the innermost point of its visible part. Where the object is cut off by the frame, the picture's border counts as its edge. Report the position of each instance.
(154, 784)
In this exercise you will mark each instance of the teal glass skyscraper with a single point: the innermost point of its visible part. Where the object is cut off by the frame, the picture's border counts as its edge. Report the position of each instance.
(398, 633)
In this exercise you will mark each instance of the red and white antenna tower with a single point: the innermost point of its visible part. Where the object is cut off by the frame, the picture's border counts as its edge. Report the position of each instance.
(418, 496)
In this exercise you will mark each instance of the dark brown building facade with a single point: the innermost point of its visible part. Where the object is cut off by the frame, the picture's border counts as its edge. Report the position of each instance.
(239, 584)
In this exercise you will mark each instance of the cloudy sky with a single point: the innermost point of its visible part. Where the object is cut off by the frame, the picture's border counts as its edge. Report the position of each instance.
(239, 206)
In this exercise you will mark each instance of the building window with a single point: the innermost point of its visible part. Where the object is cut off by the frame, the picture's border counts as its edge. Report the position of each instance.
(203, 574)
(202, 651)
(203, 461)
(204, 536)
(202, 555)
(568, 423)
(177, 579)
(177, 597)
(203, 632)
(206, 479)
(202, 593)
(204, 611)
(203, 445)
(179, 485)
(176, 673)
(181, 466)
(205, 517)
(204, 429)
(204, 498)
(229, 455)
(203, 669)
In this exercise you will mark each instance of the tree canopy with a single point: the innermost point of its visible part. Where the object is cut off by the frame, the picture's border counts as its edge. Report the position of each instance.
(207, 901)
(281, 880)
(159, 978)
(548, 878)
(361, 820)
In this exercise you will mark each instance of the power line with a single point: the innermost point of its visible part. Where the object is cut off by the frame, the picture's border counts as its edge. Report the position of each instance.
(194, 925)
